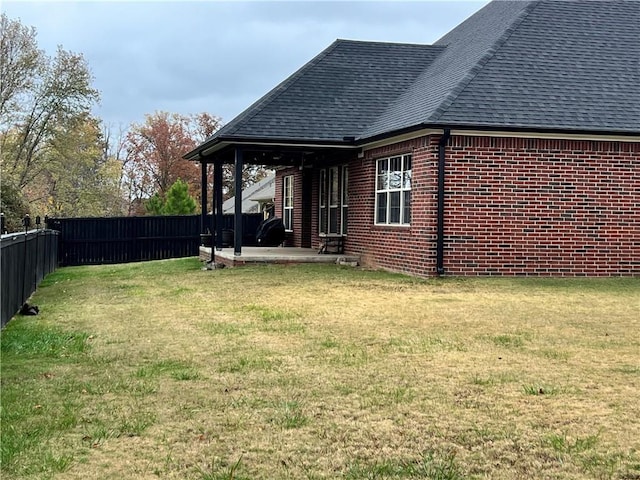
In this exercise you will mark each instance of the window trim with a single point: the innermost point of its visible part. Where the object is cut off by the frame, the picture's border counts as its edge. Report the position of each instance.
(387, 191)
(333, 193)
(322, 203)
(287, 202)
(344, 200)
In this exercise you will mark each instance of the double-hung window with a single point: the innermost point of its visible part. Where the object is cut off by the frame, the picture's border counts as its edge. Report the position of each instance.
(393, 190)
(287, 202)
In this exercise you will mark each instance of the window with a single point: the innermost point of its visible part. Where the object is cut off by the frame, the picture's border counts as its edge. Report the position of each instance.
(345, 200)
(322, 201)
(333, 201)
(393, 191)
(287, 202)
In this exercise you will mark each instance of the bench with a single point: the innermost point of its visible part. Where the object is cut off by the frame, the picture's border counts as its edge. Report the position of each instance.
(331, 244)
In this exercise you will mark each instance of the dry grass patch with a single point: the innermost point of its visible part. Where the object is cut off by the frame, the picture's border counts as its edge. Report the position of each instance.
(161, 370)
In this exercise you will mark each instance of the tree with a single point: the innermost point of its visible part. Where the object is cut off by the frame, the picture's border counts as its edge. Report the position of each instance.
(250, 174)
(155, 150)
(41, 98)
(19, 60)
(81, 180)
(14, 207)
(177, 202)
(39, 95)
(155, 205)
(154, 158)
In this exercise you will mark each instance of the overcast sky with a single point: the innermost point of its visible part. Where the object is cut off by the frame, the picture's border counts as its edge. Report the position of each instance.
(215, 56)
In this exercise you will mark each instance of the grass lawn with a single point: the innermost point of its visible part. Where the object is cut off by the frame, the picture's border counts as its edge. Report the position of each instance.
(161, 370)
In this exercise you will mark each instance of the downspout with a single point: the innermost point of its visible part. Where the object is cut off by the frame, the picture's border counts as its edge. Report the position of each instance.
(442, 145)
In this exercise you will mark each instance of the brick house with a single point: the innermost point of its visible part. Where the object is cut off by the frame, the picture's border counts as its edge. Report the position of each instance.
(511, 146)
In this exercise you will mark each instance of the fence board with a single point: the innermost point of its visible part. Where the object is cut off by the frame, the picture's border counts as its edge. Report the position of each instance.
(26, 258)
(94, 241)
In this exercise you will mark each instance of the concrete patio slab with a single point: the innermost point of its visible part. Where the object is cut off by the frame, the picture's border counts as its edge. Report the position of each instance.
(254, 255)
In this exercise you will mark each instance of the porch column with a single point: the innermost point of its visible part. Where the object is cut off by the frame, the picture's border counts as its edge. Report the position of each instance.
(237, 241)
(217, 202)
(203, 198)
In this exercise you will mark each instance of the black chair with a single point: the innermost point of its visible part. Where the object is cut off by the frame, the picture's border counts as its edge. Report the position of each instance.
(270, 233)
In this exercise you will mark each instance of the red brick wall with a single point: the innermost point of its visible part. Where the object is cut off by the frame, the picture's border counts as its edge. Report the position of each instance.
(406, 249)
(514, 206)
(519, 206)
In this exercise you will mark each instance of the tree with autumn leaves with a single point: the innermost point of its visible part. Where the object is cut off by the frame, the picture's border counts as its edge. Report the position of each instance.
(154, 151)
(154, 160)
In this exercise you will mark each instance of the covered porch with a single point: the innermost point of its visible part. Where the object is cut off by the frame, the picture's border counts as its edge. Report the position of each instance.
(303, 158)
(262, 255)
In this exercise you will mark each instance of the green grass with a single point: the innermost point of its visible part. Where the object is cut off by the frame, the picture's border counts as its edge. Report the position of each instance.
(290, 415)
(175, 369)
(162, 370)
(538, 389)
(29, 419)
(429, 466)
(220, 470)
(29, 339)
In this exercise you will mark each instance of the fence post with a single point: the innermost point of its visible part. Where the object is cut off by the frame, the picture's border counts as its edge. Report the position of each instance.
(26, 223)
(35, 270)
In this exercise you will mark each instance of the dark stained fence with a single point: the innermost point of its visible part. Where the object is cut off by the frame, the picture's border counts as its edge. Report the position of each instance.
(26, 258)
(95, 241)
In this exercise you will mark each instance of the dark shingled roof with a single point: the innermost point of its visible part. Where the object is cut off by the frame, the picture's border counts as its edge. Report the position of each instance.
(567, 65)
(539, 64)
(468, 47)
(338, 93)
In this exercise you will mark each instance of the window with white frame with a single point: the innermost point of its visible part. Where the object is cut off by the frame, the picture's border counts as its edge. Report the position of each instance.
(393, 190)
(345, 200)
(287, 202)
(322, 202)
(333, 201)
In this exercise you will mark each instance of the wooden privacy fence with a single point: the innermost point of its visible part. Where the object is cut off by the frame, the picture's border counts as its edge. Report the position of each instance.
(26, 259)
(94, 241)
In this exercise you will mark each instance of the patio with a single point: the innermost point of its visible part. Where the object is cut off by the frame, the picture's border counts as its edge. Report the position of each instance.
(254, 255)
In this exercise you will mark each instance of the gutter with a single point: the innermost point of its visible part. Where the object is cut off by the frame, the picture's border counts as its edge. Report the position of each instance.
(442, 145)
